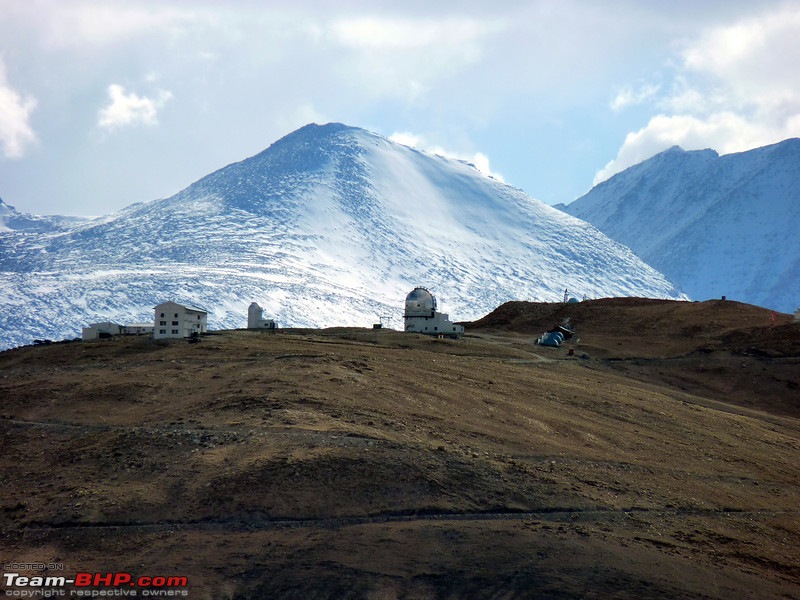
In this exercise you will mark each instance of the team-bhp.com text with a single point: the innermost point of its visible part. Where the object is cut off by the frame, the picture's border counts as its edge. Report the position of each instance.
(95, 585)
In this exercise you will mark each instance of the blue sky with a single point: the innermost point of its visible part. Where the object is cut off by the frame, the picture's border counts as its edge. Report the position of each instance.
(103, 104)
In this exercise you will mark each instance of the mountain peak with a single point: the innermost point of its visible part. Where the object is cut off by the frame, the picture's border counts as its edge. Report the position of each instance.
(313, 132)
(316, 133)
(6, 209)
(692, 214)
(706, 153)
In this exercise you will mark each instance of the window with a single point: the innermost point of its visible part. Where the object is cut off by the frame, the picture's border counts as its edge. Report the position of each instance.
(162, 331)
(162, 314)
(162, 322)
(198, 317)
(176, 315)
(175, 331)
(175, 323)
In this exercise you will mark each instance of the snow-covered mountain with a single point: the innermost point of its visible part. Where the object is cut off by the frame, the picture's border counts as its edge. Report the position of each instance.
(331, 225)
(12, 220)
(716, 225)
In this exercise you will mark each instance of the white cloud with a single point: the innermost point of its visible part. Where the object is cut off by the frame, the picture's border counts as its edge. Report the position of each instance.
(737, 87)
(628, 96)
(128, 109)
(82, 23)
(407, 33)
(725, 132)
(478, 159)
(16, 133)
(754, 60)
(407, 138)
(686, 99)
(304, 113)
(405, 58)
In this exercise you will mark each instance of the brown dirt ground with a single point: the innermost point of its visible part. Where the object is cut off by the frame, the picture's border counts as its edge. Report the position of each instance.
(660, 461)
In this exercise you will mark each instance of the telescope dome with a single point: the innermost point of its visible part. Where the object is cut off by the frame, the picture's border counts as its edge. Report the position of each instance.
(420, 303)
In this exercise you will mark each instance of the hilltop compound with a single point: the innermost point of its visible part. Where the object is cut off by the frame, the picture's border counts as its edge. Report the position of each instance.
(421, 315)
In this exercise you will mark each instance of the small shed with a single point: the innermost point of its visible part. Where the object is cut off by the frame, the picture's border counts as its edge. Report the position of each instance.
(97, 331)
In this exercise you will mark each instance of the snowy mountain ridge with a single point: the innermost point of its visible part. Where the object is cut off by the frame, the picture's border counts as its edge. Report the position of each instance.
(716, 225)
(330, 225)
(12, 220)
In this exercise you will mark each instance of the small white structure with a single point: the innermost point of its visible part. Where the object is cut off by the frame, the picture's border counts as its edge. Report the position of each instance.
(421, 315)
(139, 328)
(256, 320)
(173, 320)
(102, 330)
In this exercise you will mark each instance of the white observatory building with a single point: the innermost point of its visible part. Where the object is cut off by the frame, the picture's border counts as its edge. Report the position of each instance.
(256, 320)
(173, 320)
(421, 315)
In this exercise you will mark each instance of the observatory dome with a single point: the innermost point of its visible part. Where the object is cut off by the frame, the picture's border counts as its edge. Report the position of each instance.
(420, 303)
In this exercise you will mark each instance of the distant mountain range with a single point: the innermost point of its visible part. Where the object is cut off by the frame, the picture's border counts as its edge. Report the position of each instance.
(716, 225)
(331, 225)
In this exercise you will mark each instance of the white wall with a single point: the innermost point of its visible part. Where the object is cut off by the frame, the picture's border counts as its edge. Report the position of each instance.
(436, 325)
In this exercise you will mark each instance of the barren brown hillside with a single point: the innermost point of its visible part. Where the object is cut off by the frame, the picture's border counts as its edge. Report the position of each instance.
(375, 464)
(726, 350)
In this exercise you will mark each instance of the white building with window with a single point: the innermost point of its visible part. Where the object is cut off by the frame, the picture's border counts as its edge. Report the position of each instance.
(256, 320)
(173, 320)
(421, 316)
